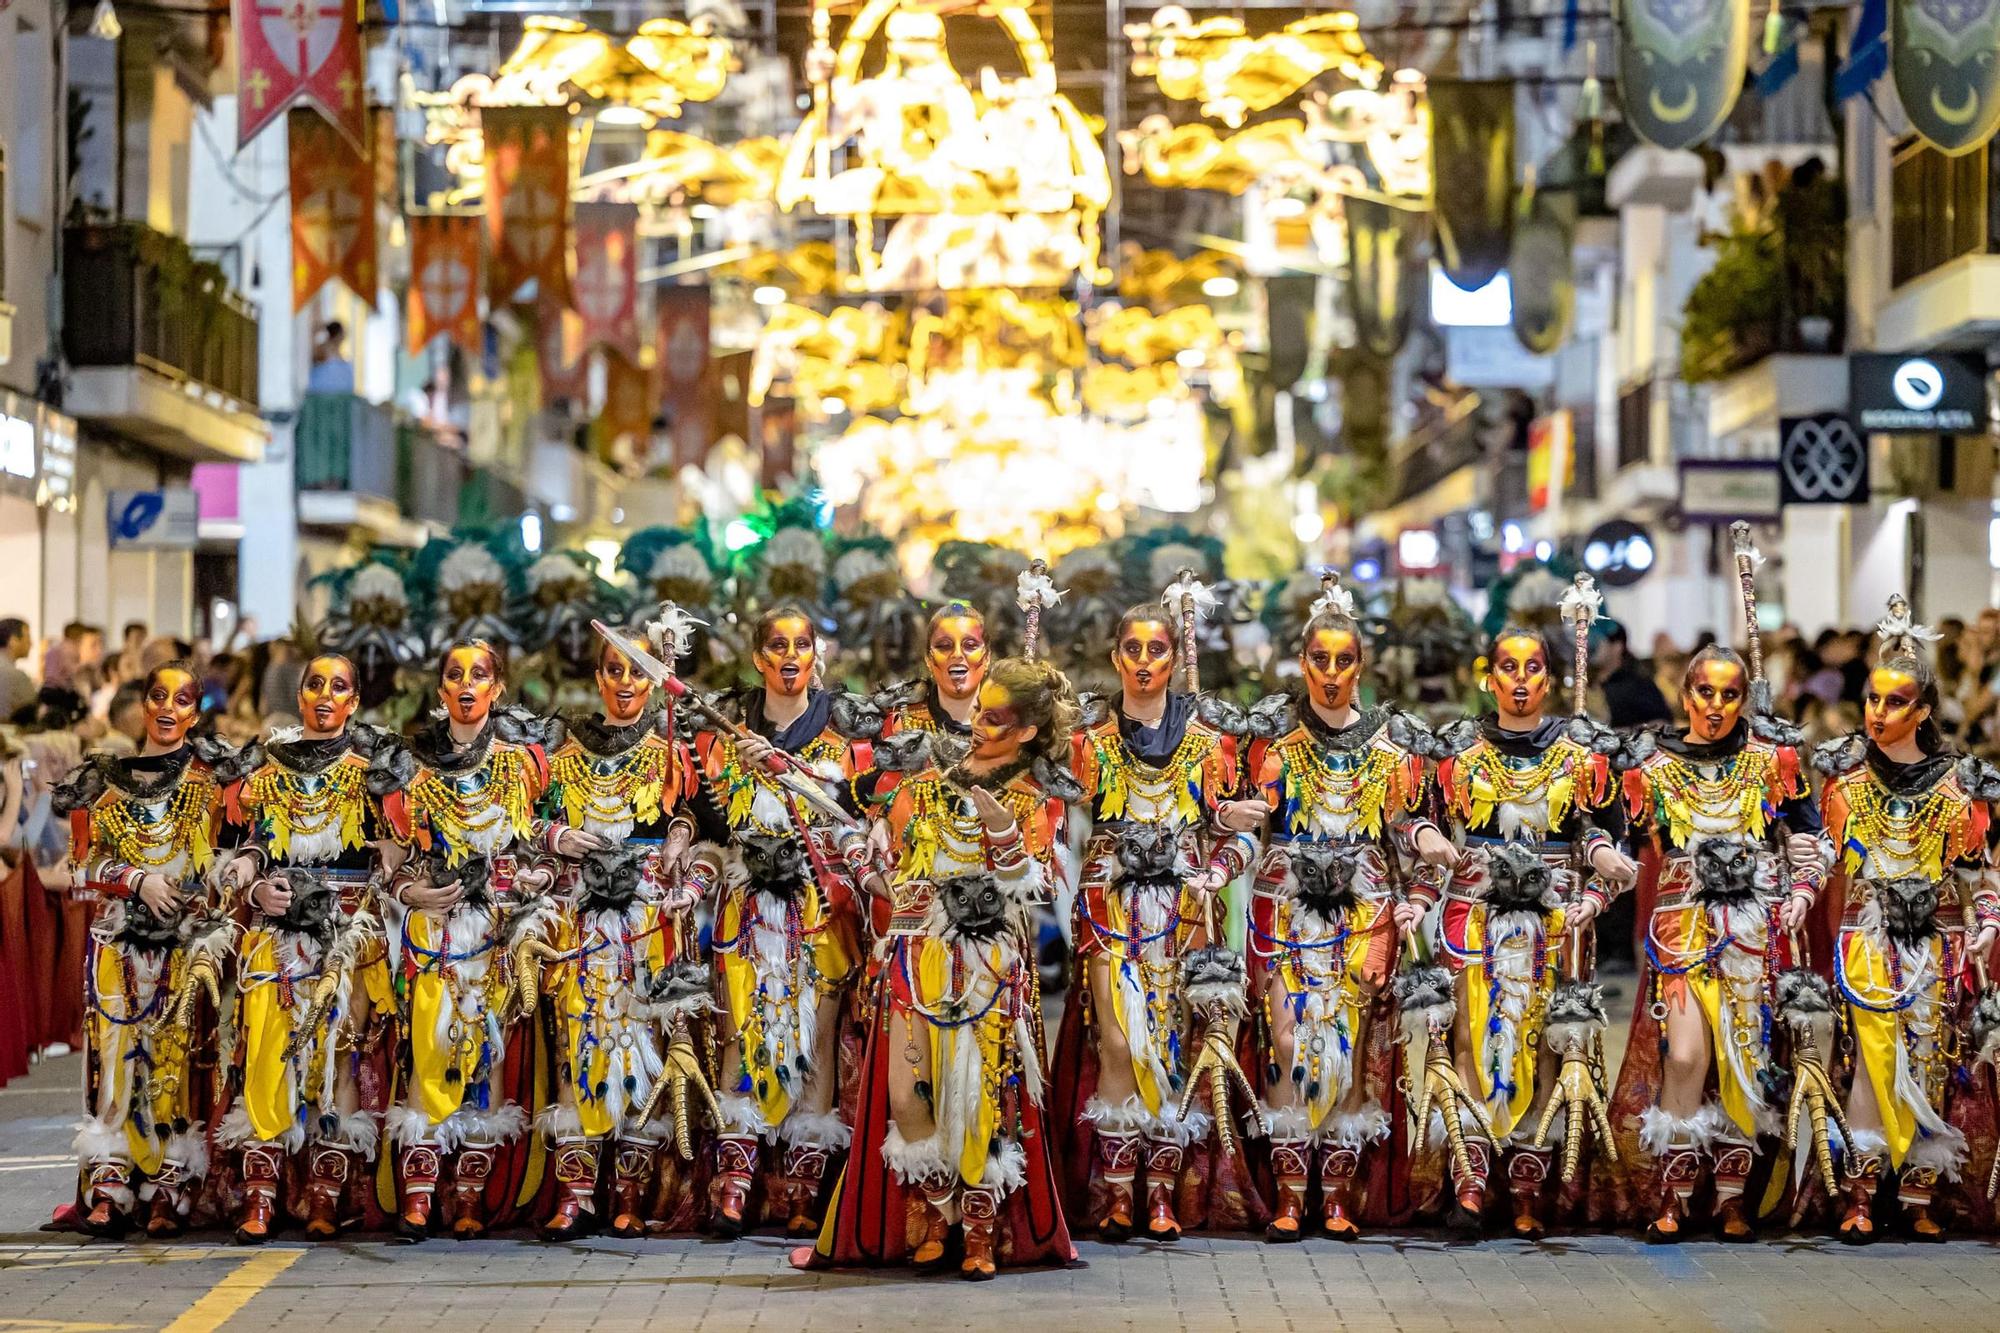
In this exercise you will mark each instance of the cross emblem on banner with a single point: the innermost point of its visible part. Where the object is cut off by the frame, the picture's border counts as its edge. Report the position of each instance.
(600, 286)
(447, 286)
(539, 217)
(301, 33)
(327, 220)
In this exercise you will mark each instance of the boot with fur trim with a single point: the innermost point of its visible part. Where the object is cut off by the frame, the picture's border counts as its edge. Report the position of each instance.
(1730, 1161)
(1117, 1165)
(172, 1188)
(469, 1175)
(420, 1165)
(1342, 1140)
(981, 1210)
(1680, 1147)
(1862, 1179)
(576, 1190)
(261, 1166)
(1163, 1173)
(810, 1141)
(735, 1167)
(631, 1171)
(109, 1195)
(931, 1187)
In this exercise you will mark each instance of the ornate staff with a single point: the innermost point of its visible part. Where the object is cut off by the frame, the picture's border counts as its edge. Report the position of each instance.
(1581, 604)
(1192, 599)
(1747, 560)
(1034, 593)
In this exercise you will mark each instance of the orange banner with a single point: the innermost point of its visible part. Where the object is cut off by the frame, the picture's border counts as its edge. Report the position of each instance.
(299, 51)
(561, 355)
(527, 200)
(333, 210)
(687, 386)
(606, 290)
(624, 428)
(444, 281)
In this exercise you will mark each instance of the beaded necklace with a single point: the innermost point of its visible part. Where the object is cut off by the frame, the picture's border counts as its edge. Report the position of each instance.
(1350, 785)
(1485, 778)
(741, 782)
(612, 789)
(471, 811)
(1121, 775)
(1893, 834)
(295, 804)
(1684, 797)
(179, 836)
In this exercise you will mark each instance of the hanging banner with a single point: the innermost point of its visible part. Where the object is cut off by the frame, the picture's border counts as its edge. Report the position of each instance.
(1681, 64)
(444, 281)
(776, 429)
(681, 347)
(333, 210)
(1288, 309)
(1472, 175)
(1942, 56)
(1541, 272)
(606, 290)
(624, 426)
(1381, 238)
(527, 199)
(382, 149)
(561, 355)
(299, 51)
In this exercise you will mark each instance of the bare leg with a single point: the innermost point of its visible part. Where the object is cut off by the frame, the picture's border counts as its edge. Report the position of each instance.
(1114, 1054)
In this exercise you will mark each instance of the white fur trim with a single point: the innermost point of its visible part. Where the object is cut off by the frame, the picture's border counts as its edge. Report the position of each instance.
(913, 1163)
(1127, 1117)
(1943, 1153)
(1284, 1122)
(1007, 1170)
(559, 1122)
(742, 1115)
(1867, 1141)
(190, 1149)
(1659, 1131)
(490, 1129)
(357, 1131)
(235, 1132)
(1368, 1125)
(656, 1131)
(1169, 1127)
(406, 1127)
(809, 1129)
(97, 1141)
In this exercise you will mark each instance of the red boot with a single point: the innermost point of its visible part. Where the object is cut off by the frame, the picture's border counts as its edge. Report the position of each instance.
(168, 1213)
(420, 1166)
(328, 1169)
(469, 1175)
(1289, 1158)
(109, 1196)
(1527, 1176)
(631, 1173)
(735, 1167)
(804, 1167)
(1163, 1177)
(1679, 1176)
(1864, 1176)
(981, 1211)
(1731, 1172)
(1118, 1168)
(261, 1162)
(1471, 1185)
(576, 1190)
(1337, 1169)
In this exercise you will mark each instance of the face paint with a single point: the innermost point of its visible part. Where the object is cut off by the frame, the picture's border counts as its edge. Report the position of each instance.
(622, 686)
(173, 702)
(1892, 707)
(469, 685)
(1519, 676)
(1713, 699)
(997, 731)
(1331, 661)
(1144, 658)
(958, 656)
(785, 658)
(327, 697)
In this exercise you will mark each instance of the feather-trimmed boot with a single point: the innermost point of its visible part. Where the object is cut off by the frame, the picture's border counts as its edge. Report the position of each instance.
(1730, 1164)
(1527, 1180)
(1338, 1167)
(260, 1165)
(804, 1166)
(735, 1167)
(1471, 1185)
(632, 1170)
(1163, 1175)
(469, 1175)
(980, 1207)
(1118, 1168)
(1915, 1186)
(1291, 1161)
(1864, 1177)
(167, 1215)
(109, 1196)
(576, 1190)
(328, 1167)
(420, 1164)
(1679, 1175)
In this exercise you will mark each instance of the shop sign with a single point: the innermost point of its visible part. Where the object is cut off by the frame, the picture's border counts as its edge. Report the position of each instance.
(1822, 460)
(1618, 552)
(57, 485)
(1716, 490)
(151, 520)
(1935, 393)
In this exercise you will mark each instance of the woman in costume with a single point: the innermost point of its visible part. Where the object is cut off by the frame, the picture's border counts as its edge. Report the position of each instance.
(1515, 927)
(951, 1101)
(460, 926)
(623, 775)
(1346, 786)
(956, 656)
(144, 831)
(1916, 913)
(311, 964)
(1159, 771)
(786, 935)
(1715, 942)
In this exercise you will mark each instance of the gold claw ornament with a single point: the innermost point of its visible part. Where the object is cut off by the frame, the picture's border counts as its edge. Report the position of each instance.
(527, 957)
(680, 1075)
(319, 1004)
(1424, 995)
(1805, 1005)
(1218, 1066)
(208, 946)
(1573, 1032)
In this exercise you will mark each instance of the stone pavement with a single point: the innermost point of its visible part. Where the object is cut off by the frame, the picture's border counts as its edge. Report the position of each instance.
(1604, 1284)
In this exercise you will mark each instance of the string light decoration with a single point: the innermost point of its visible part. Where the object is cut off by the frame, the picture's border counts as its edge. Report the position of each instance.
(1232, 74)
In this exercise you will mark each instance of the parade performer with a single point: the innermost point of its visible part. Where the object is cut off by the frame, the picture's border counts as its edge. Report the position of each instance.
(956, 656)
(311, 965)
(622, 774)
(1696, 1066)
(144, 832)
(786, 937)
(1346, 786)
(1512, 928)
(950, 1116)
(460, 926)
(1160, 773)
(1918, 908)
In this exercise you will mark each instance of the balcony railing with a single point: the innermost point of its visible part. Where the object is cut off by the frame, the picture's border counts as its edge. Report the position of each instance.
(429, 476)
(346, 443)
(1942, 208)
(137, 297)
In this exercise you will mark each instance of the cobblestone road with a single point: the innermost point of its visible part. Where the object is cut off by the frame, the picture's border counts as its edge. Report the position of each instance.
(1606, 1284)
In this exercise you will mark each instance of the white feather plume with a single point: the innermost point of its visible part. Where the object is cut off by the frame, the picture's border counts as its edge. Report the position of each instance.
(1900, 624)
(1334, 601)
(1034, 590)
(1583, 601)
(671, 631)
(1185, 590)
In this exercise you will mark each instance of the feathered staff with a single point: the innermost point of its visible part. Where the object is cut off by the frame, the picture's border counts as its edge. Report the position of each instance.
(1191, 599)
(1034, 592)
(1581, 604)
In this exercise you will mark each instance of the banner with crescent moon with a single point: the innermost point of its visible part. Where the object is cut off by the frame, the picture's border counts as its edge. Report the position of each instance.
(605, 291)
(1681, 64)
(1381, 242)
(1541, 270)
(444, 281)
(333, 209)
(527, 199)
(1472, 177)
(291, 51)
(1945, 58)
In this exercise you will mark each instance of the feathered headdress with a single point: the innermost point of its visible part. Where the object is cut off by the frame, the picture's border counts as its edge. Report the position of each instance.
(1899, 631)
(1332, 600)
(671, 632)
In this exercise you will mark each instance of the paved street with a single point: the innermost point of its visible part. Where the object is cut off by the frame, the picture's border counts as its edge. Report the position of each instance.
(1601, 1283)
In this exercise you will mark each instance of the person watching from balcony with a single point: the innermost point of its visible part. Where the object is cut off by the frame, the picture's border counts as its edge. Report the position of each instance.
(331, 371)
(17, 690)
